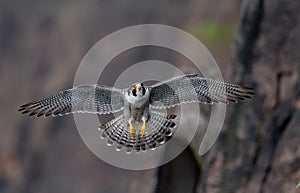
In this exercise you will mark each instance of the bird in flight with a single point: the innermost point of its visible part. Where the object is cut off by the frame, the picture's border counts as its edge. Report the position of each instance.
(141, 126)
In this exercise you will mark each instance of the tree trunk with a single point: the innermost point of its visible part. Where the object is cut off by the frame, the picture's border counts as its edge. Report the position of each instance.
(258, 150)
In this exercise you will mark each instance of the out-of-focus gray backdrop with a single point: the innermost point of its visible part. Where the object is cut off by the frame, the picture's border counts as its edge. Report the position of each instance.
(43, 42)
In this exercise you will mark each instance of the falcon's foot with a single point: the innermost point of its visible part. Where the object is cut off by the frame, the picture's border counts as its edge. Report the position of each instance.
(131, 130)
(143, 129)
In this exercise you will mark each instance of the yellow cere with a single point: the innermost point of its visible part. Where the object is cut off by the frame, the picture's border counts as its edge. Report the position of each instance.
(136, 87)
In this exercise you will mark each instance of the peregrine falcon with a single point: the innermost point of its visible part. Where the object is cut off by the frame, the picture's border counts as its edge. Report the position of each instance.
(139, 127)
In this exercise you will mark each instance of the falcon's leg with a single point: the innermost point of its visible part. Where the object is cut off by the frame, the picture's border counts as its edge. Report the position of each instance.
(131, 130)
(143, 128)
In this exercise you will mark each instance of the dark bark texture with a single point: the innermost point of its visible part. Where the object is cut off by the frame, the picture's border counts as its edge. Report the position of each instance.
(258, 151)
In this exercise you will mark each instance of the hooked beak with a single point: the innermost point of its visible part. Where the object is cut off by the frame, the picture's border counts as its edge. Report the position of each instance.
(137, 87)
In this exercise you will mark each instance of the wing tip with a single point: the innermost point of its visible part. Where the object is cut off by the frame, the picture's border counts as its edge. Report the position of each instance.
(26, 105)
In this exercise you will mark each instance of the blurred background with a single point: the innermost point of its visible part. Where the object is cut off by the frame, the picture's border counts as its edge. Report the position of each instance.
(255, 43)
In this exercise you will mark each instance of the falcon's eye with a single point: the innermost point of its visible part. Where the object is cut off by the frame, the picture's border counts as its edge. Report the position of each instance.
(134, 92)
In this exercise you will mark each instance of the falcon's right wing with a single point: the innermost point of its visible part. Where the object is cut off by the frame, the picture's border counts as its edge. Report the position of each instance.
(84, 99)
(193, 88)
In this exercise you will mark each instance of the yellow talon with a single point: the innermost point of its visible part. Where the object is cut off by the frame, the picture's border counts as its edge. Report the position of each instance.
(143, 129)
(131, 130)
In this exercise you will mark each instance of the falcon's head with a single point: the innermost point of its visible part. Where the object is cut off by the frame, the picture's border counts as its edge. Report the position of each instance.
(137, 90)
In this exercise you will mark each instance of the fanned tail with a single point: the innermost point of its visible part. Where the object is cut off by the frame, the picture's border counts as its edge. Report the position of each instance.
(160, 127)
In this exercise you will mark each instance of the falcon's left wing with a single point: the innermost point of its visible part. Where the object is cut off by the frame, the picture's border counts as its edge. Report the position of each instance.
(84, 99)
(193, 88)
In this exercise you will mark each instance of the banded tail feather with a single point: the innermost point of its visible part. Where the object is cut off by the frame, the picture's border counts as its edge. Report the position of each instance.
(160, 128)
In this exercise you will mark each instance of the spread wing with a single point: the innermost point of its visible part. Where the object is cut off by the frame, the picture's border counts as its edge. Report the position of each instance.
(84, 99)
(193, 88)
